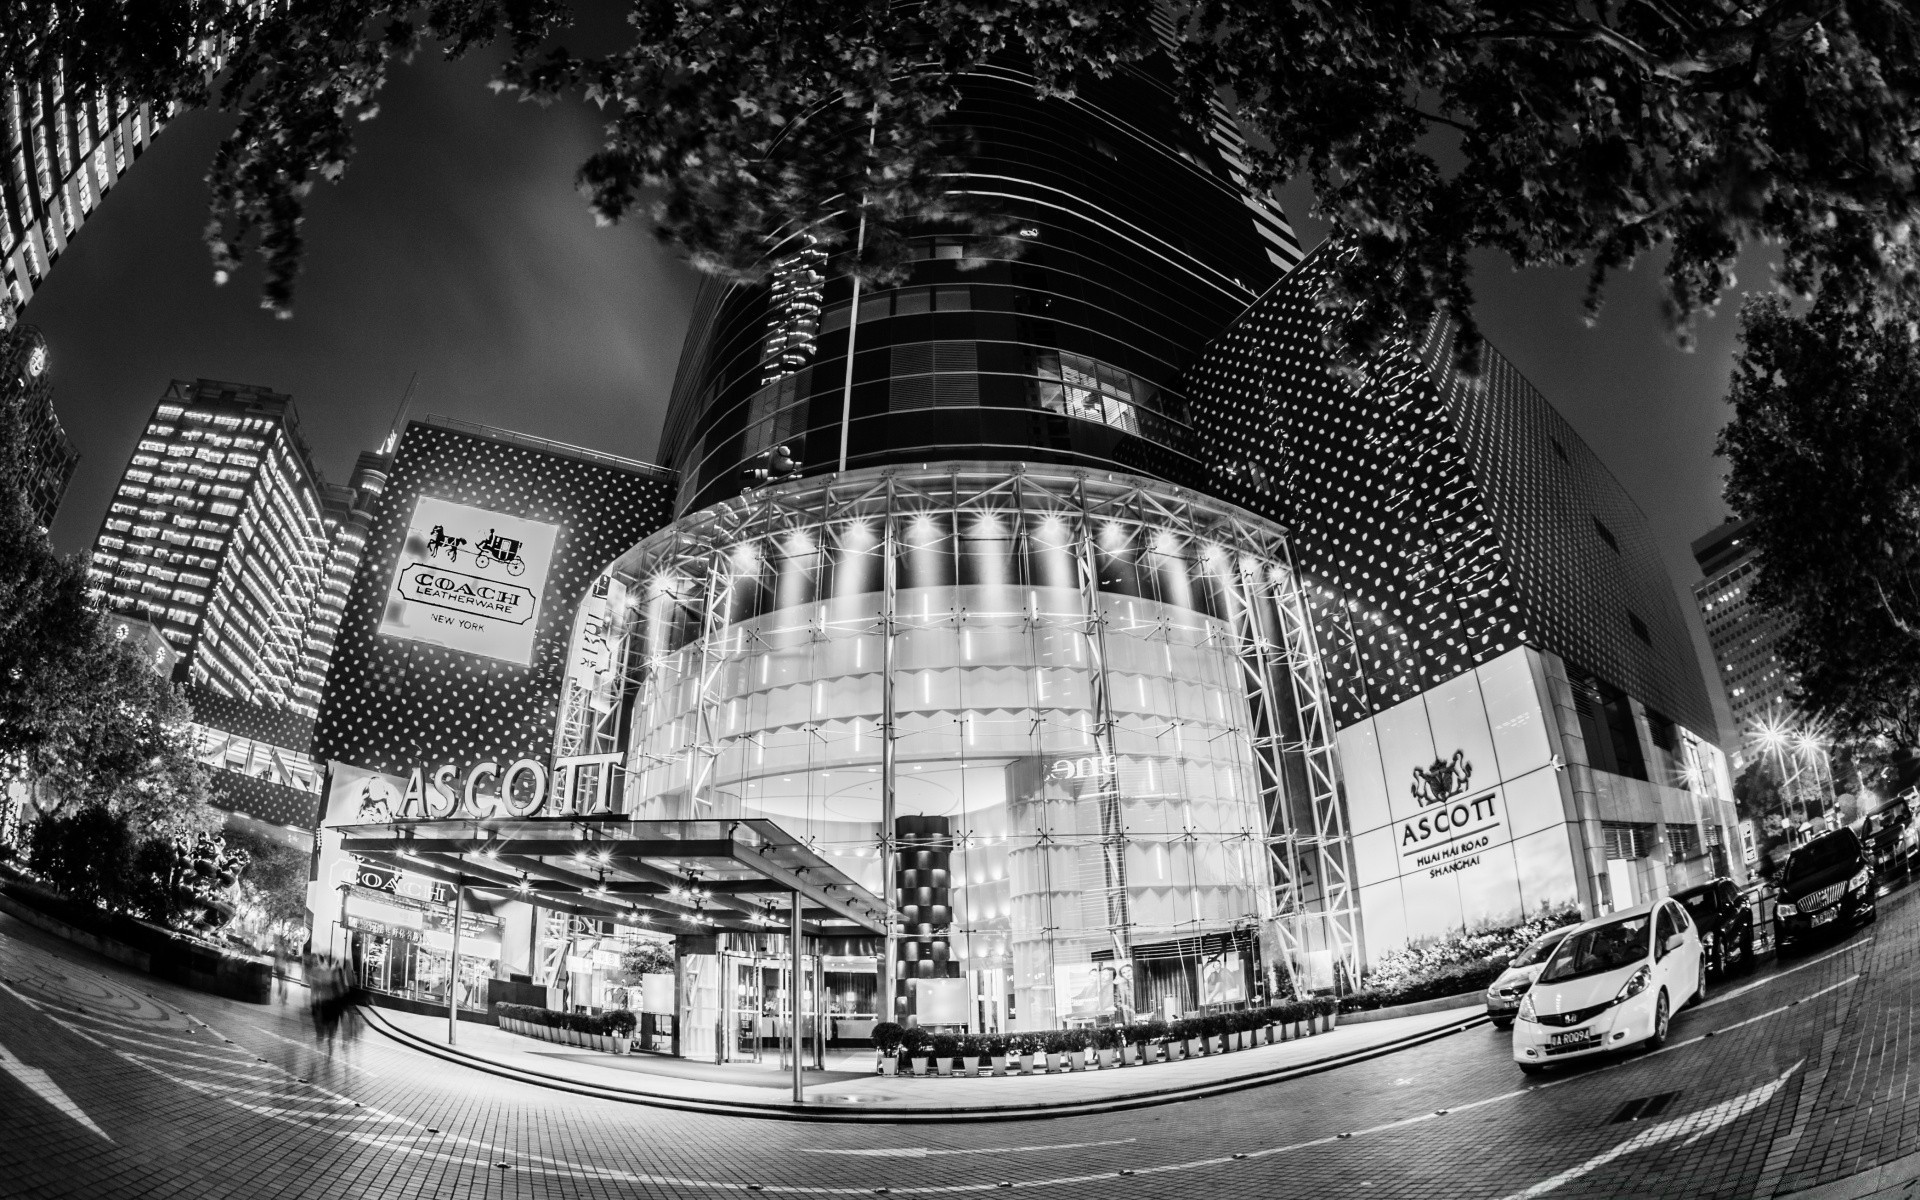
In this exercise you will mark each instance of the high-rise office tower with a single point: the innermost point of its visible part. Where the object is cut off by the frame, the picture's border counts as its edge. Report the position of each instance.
(1489, 607)
(63, 150)
(347, 513)
(1745, 640)
(216, 536)
(44, 459)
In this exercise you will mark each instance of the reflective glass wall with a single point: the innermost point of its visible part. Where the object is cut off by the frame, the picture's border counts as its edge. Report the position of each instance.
(1050, 714)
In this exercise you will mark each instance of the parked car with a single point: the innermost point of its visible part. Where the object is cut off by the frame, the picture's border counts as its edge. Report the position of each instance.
(1726, 924)
(1889, 838)
(1826, 886)
(1505, 993)
(1613, 983)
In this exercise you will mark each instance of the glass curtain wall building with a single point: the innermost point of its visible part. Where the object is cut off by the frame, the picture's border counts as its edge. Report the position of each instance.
(1079, 705)
(1000, 663)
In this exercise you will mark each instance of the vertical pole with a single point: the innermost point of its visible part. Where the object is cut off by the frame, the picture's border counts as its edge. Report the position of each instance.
(453, 969)
(887, 1008)
(853, 316)
(793, 998)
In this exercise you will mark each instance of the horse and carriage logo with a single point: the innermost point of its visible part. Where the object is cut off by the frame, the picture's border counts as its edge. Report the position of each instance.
(489, 550)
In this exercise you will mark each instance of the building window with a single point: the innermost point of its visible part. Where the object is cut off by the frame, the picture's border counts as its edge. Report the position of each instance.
(1639, 628)
(1606, 535)
(1559, 449)
(1683, 842)
(1627, 839)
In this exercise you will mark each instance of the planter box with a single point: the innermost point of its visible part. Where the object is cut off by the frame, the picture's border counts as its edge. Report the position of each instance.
(944, 1064)
(1026, 1064)
(1107, 1059)
(1063, 1062)
(999, 1064)
(889, 1064)
(920, 1065)
(970, 1064)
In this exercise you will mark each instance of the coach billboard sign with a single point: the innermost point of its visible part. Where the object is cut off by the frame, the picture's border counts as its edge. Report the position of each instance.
(469, 580)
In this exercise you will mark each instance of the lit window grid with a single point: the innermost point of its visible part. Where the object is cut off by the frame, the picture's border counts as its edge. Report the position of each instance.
(228, 751)
(61, 155)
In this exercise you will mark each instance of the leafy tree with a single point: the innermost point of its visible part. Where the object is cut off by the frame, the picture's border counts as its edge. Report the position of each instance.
(645, 958)
(1557, 133)
(83, 718)
(273, 889)
(1822, 457)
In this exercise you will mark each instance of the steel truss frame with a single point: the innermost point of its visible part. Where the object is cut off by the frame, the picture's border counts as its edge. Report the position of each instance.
(1311, 903)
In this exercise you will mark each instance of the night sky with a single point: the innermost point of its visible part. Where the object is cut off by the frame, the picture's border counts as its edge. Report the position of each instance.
(455, 246)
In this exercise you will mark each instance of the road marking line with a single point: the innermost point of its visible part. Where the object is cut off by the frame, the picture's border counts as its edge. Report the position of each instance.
(1760, 983)
(922, 1152)
(42, 1085)
(1694, 1126)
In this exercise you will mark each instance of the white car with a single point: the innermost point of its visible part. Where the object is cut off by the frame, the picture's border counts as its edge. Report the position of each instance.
(1614, 982)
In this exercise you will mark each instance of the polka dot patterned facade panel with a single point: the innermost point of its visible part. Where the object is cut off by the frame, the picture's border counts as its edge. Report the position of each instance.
(1408, 581)
(393, 704)
(1440, 520)
(1584, 563)
(257, 722)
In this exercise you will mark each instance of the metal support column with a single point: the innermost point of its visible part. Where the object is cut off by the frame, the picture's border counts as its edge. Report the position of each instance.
(453, 969)
(793, 994)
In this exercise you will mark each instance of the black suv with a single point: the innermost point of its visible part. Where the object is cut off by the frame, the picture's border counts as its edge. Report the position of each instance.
(1826, 885)
(1726, 924)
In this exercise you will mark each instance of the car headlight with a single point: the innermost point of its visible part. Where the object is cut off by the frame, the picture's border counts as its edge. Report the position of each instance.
(1635, 984)
(1861, 880)
(1785, 908)
(1526, 1009)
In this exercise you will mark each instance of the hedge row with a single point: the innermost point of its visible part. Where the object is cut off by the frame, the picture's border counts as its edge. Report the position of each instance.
(1449, 980)
(890, 1038)
(617, 1022)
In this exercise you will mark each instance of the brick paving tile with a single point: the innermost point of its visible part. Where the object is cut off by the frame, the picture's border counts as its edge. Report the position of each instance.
(174, 1081)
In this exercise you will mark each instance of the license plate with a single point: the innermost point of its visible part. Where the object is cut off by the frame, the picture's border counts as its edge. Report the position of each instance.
(1825, 915)
(1574, 1038)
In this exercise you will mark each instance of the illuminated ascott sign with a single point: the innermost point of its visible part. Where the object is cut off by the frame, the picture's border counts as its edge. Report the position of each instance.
(470, 580)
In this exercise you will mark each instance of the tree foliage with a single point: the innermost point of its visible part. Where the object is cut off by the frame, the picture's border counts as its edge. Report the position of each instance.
(1824, 458)
(1557, 133)
(83, 718)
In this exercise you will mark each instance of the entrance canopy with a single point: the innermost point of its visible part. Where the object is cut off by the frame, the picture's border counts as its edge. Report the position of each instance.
(684, 877)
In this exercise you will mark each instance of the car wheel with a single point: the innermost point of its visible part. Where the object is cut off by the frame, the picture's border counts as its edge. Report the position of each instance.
(1662, 1018)
(1533, 1068)
(1503, 1022)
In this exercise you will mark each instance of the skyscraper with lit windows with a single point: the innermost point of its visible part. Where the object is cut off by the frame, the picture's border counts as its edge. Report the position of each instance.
(61, 151)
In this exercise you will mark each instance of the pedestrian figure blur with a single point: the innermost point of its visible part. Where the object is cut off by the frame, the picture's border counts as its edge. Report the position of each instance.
(282, 966)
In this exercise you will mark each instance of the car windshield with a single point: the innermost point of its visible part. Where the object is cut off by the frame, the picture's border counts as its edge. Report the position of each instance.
(1819, 854)
(1603, 948)
(1539, 950)
(1698, 903)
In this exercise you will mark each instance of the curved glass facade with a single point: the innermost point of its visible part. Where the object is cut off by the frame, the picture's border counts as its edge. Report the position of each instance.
(1138, 246)
(1069, 715)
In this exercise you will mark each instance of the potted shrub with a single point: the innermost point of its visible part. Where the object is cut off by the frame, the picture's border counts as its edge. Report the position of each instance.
(1153, 1039)
(1107, 1040)
(919, 1043)
(1213, 1032)
(621, 1024)
(1053, 1043)
(887, 1038)
(1333, 1012)
(996, 1051)
(1023, 1046)
(970, 1054)
(1244, 1024)
(945, 1046)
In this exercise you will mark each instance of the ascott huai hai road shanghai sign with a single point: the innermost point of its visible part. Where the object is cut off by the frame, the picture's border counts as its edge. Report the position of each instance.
(470, 580)
(1452, 826)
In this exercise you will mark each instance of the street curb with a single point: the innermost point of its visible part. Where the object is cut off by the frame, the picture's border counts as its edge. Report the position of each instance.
(917, 1116)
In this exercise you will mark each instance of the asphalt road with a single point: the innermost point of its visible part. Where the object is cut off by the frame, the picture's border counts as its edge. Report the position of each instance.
(113, 1083)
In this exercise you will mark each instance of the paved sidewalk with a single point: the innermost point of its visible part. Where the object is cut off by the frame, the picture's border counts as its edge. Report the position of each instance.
(752, 1089)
